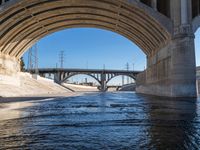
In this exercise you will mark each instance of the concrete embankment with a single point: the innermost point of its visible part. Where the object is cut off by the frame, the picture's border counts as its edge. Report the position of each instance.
(80, 88)
(25, 84)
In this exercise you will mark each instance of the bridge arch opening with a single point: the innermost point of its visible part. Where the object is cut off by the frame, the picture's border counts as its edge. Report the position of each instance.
(120, 80)
(81, 78)
(155, 30)
(39, 19)
(89, 48)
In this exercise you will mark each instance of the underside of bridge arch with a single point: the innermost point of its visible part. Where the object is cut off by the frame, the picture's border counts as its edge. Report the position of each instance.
(164, 33)
(196, 23)
(130, 76)
(77, 74)
(26, 21)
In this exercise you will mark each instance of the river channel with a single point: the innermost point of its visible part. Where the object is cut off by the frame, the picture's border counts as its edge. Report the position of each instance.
(101, 121)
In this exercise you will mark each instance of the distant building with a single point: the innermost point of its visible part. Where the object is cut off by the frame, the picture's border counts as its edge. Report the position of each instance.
(88, 84)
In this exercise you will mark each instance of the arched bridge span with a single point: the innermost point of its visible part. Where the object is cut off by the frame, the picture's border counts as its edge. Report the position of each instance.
(23, 22)
(101, 76)
(72, 74)
(163, 29)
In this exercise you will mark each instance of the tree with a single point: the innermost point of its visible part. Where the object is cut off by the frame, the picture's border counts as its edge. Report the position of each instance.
(22, 64)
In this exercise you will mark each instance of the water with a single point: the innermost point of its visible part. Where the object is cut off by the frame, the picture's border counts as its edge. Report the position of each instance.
(101, 121)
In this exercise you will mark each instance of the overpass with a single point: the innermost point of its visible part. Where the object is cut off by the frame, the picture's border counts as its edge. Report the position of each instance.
(163, 29)
(101, 76)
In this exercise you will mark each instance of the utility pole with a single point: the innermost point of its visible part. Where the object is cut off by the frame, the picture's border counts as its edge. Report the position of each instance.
(132, 80)
(61, 59)
(33, 59)
(127, 68)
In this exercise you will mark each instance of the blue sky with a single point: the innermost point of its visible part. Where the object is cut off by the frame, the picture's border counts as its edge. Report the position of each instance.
(89, 47)
(197, 47)
(92, 48)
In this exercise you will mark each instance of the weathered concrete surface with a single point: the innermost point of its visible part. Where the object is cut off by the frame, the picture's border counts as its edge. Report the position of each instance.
(128, 87)
(198, 87)
(24, 84)
(171, 72)
(21, 28)
(164, 31)
(81, 88)
(9, 65)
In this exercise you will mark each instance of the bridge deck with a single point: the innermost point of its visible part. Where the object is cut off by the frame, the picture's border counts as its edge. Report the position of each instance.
(54, 70)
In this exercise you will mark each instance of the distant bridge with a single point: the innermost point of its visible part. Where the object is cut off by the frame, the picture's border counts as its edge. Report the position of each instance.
(101, 76)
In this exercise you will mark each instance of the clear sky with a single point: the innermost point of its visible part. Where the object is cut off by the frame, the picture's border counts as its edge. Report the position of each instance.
(92, 48)
(89, 47)
(197, 47)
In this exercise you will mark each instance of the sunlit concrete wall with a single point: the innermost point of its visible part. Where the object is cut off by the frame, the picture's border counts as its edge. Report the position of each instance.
(171, 71)
(12, 63)
(164, 30)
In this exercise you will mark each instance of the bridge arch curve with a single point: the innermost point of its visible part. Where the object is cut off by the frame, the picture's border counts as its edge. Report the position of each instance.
(196, 23)
(131, 76)
(23, 22)
(166, 41)
(75, 74)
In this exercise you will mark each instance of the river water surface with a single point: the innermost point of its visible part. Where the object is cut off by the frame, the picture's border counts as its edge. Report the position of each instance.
(101, 121)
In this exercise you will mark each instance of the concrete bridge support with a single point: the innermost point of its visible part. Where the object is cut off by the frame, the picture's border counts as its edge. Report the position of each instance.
(103, 83)
(163, 29)
(58, 77)
(171, 70)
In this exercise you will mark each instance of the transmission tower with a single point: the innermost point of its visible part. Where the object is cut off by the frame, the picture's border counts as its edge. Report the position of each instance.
(61, 59)
(33, 59)
(127, 68)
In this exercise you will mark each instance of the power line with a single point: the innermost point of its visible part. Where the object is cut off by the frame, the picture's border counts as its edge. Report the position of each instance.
(127, 68)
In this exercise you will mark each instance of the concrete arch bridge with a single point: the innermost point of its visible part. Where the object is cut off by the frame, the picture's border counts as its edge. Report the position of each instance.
(101, 76)
(163, 29)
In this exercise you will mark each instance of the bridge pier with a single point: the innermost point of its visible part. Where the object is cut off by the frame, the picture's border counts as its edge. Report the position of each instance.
(164, 30)
(171, 71)
(57, 77)
(103, 83)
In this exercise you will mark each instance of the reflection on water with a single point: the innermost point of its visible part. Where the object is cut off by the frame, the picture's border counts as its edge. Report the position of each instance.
(101, 121)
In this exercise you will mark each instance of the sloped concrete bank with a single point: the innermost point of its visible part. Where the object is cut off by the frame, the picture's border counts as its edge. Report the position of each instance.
(25, 84)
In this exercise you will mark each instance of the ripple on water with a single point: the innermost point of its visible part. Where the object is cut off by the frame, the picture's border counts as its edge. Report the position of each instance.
(102, 121)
